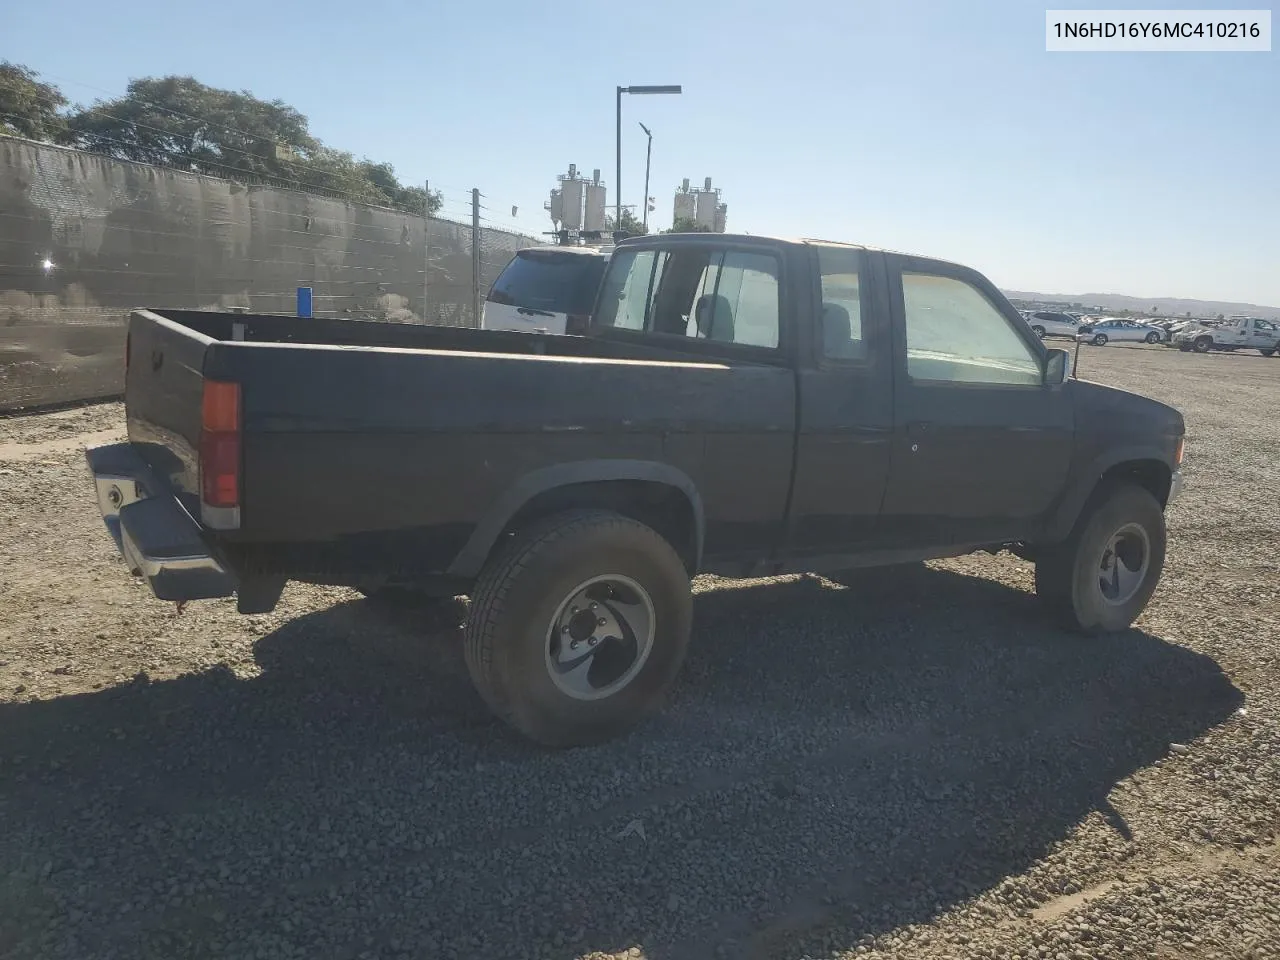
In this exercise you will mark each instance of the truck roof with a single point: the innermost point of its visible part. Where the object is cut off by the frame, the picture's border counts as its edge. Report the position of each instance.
(556, 248)
(763, 238)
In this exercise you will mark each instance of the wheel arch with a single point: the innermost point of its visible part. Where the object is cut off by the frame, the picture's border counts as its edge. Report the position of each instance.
(657, 494)
(1144, 466)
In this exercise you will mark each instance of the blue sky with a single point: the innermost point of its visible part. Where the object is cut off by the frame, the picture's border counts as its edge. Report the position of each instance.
(937, 128)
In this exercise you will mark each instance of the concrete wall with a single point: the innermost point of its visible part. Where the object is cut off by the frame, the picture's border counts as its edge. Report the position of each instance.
(84, 239)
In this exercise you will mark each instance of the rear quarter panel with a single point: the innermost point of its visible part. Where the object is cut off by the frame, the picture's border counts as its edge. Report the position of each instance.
(403, 451)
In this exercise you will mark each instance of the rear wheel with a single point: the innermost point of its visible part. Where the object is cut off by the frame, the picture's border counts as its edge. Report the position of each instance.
(1100, 579)
(1099, 339)
(1038, 331)
(1202, 344)
(578, 627)
(1267, 353)
(1153, 337)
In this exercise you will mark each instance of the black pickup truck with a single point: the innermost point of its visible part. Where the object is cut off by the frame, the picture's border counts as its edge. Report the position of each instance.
(739, 405)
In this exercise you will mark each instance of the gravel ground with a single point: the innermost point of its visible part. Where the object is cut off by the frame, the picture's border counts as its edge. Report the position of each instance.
(915, 766)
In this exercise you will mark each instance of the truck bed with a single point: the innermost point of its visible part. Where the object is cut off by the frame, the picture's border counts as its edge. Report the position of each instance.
(354, 433)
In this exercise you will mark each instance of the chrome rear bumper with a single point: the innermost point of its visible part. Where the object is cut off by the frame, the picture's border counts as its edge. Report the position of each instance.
(1175, 486)
(157, 537)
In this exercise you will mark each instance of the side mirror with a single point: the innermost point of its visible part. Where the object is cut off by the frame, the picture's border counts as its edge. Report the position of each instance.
(1056, 365)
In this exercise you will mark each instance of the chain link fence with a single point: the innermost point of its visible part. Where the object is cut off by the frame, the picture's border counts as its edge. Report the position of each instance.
(85, 238)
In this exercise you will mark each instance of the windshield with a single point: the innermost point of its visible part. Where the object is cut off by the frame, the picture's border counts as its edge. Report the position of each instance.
(550, 280)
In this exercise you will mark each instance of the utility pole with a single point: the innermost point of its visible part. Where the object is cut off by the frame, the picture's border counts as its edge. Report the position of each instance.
(648, 155)
(475, 257)
(426, 251)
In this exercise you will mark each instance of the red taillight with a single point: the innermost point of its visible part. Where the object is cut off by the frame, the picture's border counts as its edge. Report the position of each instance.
(220, 444)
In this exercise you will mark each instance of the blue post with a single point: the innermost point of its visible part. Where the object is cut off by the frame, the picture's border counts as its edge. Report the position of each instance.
(304, 302)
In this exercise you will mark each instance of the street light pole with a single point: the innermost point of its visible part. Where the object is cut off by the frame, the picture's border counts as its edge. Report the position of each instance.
(617, 185)
(648, 155)
(617, 182)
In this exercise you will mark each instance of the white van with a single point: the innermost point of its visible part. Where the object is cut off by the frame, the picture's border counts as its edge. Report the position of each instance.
(545, 290)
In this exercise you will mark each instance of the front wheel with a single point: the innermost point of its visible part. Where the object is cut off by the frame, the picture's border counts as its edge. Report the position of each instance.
(1100, 579)
(1099, 339)
(1038, 331)
(578, 627)
(1267, 353)
(1153, 337)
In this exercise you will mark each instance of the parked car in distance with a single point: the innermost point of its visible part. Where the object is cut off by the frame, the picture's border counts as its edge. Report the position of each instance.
(545, 290)
(739, 405)
(1047, 324)
(1238, 333)
(1118, 329)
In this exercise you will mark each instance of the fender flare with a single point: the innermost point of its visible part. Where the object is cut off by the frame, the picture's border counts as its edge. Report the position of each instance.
(1085, 481)
(471, 558)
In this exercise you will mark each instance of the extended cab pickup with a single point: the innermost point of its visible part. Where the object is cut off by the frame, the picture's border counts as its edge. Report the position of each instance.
(739, 405)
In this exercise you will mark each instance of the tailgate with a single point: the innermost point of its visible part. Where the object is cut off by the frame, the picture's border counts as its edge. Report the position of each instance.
(163, 395)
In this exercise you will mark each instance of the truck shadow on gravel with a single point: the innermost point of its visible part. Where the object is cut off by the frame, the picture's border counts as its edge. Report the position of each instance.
(834, 763)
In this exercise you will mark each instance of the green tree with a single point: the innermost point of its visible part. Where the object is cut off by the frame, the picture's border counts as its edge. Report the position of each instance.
(687, 225)
(383, 176)
(180, 122)
(29, 108)
(631, 224)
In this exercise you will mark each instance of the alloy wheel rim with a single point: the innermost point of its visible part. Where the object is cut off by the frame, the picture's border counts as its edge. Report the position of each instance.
(1122, 567)
(600, 637)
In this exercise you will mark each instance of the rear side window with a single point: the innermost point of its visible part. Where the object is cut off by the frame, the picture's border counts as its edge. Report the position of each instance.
(841, 316)
(728, 296)
(627, 294)
(549, 280)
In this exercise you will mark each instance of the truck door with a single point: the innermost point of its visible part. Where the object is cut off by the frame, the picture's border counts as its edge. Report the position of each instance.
(1266, 337)
(846, 407)
(981, 445)
(724, 303)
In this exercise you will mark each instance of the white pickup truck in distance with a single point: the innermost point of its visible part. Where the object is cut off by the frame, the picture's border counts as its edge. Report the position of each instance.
(1238, 333)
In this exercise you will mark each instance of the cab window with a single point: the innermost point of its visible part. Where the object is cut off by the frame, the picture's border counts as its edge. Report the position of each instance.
(954, 333)
(841, 318)
(698, 292)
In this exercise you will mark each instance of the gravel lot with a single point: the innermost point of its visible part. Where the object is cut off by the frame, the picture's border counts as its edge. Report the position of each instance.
(915, 766)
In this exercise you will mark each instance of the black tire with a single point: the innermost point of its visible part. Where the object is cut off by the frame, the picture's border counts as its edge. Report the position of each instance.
(1099, 340)
(1202, 344)
(1068, 575)
(1184, 347)
(520, 595)
(1267, 353)
(1153, 337)
(1038, 331)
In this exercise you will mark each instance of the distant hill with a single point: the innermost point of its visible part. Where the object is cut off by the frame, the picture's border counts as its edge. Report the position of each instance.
(1169, 306)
